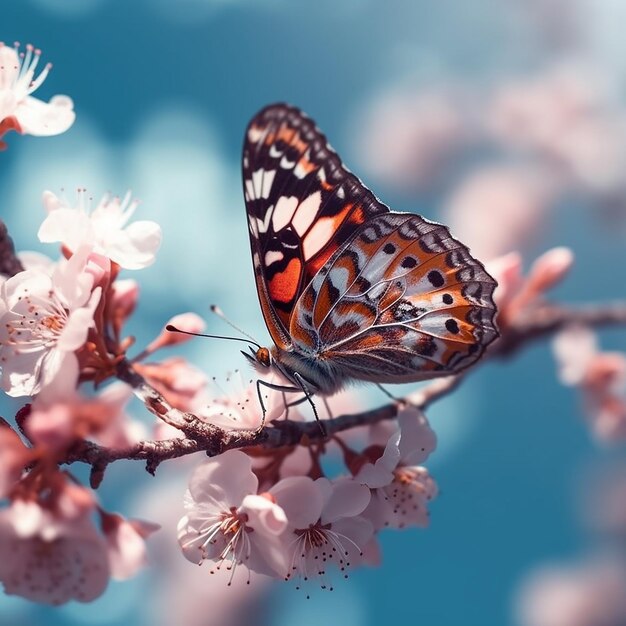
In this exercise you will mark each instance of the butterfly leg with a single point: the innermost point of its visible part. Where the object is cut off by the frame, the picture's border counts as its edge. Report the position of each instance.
(283, 388)
(303, 385)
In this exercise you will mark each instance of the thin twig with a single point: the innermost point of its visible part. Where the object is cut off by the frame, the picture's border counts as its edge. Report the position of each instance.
(201, 436)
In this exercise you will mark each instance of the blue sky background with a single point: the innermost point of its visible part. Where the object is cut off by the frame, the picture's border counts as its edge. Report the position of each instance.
(163, 90)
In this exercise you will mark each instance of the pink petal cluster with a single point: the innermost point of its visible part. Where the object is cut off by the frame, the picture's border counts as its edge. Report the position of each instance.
(44, 320)
(516, 295)
(53, 552)
(56, 426)
(226, 520)
(18, 109)
(105, 228)
(401, 487)
(239, 512)
(601, 378)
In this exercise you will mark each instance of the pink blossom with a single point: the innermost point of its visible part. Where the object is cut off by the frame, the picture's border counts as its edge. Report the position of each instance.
(588, 594)
(179, 381)
(131, 246)
(516, 294)
(226, 520)
(601, 377)
(126, 544)
(182, 593)
(187, 322)
(325, 525)
(574, 348)
(44, 320)
(14, 456)
(118, 430)
(58, 424)
(53, 555)
(18, 109)
(241, 407)
(122, 301)
(401, 488)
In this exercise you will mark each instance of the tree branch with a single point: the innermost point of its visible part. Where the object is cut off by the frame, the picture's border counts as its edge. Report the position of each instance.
(200, 436)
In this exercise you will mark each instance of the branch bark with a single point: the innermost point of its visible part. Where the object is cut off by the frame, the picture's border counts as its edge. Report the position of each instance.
(200, 436)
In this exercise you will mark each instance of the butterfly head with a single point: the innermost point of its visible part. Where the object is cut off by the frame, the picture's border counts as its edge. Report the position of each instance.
(260, 357)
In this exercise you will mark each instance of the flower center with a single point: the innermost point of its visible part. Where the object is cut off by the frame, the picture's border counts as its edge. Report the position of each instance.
(233, 523)
(315, 536)
(39, 326)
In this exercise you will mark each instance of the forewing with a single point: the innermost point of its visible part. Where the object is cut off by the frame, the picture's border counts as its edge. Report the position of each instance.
(302, 206)
(402, 301)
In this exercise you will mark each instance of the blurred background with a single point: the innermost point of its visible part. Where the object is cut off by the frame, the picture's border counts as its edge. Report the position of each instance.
(505, 119)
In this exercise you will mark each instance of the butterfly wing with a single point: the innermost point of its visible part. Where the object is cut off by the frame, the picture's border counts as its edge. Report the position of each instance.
(401, 301)
(302, 206)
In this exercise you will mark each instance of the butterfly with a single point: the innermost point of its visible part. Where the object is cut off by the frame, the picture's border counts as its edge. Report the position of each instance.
(350, 290)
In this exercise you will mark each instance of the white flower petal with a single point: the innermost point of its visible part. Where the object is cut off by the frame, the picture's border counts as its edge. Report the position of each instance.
(348, 499)
(8, 104)
(71, 227)
(44, 119)
(229, 472)
(136, 246)
(21, 373)
(300, 498)
(417, 440)
(263, 515)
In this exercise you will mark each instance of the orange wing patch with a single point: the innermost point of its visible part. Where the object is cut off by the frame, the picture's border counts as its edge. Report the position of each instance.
(284, 285)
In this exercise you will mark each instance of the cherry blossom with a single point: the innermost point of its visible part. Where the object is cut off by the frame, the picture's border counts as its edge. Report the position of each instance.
(18, 109)
(187, 322)
(106, 228)
(44, 320)
(126, 544)
(401, 488)
(601, 377)
(325, 525)
(179, 381)
(53, 554)
(226, 520)
(57, 425)
(516, 294)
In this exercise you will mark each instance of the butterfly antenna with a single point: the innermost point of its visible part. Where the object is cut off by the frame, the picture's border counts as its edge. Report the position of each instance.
(173, 329)
(215, 309)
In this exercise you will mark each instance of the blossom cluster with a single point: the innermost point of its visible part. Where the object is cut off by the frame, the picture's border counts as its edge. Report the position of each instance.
(60, 326)
(257, 512)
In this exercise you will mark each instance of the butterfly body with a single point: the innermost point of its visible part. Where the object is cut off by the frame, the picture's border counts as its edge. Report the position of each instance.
(349, 289)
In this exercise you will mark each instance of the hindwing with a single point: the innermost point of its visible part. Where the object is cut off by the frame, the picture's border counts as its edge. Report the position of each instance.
(402, 300)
